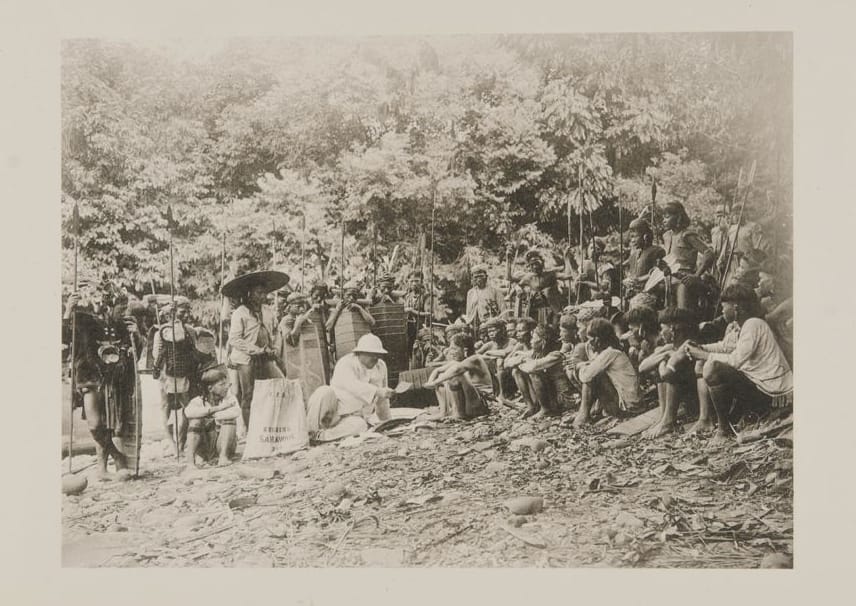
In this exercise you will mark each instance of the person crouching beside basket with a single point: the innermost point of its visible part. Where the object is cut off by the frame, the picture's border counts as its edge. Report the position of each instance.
(212, 418)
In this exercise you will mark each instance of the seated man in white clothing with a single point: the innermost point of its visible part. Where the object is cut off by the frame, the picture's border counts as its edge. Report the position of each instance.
(609, 378)
(358, 393)
(755, 373)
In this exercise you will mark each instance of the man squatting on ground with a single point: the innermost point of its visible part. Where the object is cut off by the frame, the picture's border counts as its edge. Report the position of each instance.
(358, 394)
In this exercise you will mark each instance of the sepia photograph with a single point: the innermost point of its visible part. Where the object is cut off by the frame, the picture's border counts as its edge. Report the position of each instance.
(517, 300)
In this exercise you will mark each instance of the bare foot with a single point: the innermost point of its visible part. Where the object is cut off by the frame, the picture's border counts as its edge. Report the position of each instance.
(702, 426)
(659, 430)
(528, 413)
(581, 420)
(652, 429)
(719, 439)
(224, 461)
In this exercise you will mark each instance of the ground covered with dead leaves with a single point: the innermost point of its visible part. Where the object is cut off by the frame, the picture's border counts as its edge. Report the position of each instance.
(437, 494)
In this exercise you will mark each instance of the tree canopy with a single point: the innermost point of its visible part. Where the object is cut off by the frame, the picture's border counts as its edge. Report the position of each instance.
(253, 138)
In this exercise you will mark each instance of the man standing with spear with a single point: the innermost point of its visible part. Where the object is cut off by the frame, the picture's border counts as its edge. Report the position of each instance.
(170, 223)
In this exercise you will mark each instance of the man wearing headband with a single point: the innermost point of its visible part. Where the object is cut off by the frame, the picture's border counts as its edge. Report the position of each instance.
(174, 365)
(644, 256)
(386, 292)
(687, 258)
(103, 368)
(351, 302)
(416, 306)
(483, 301)
(545, 302)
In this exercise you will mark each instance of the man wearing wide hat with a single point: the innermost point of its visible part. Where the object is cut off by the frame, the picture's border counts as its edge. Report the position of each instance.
(251, 333)
(357, 395)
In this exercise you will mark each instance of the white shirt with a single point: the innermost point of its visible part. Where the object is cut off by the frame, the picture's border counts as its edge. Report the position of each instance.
(244, 333)
(618, 369)
(758, 356)
(198, 409)
(356, 386)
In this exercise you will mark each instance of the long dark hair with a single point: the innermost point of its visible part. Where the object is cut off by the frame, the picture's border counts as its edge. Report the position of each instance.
(603, 330)
(549, 337)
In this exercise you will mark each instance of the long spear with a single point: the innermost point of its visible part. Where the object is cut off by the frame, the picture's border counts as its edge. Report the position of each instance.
(594, 253)
(75, 226)
(620, 254)
(653, 206)
(342, 272)
(222, 300)
(303, 254)
(739, 221)
(170, 222)
(374, 256)
(273, 263)
(431, 266)
(569, 237)
(581, 200)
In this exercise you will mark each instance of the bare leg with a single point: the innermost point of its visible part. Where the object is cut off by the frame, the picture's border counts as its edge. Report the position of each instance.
(666, 424)
(661, 404)
(474, 405)
(545, 395)
(104, 445)
(194, 439)
(720, 397)
(524, 387)
(226, 442)
(583, 416)
(704, 424)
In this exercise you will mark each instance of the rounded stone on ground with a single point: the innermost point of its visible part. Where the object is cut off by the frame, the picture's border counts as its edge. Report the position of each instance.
(74, 485)
(525, 505)
(334, 491)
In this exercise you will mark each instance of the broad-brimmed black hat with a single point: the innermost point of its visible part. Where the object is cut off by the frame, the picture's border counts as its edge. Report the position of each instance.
(270, 280)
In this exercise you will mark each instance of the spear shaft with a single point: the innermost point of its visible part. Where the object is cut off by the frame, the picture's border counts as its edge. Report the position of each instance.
(273, 263)
(581, 201)
(222, 300)
(431, 266)
(75, 222)
(303, 254)
(737, 229)
(172, 322)
(569, 237)
(620, 253)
